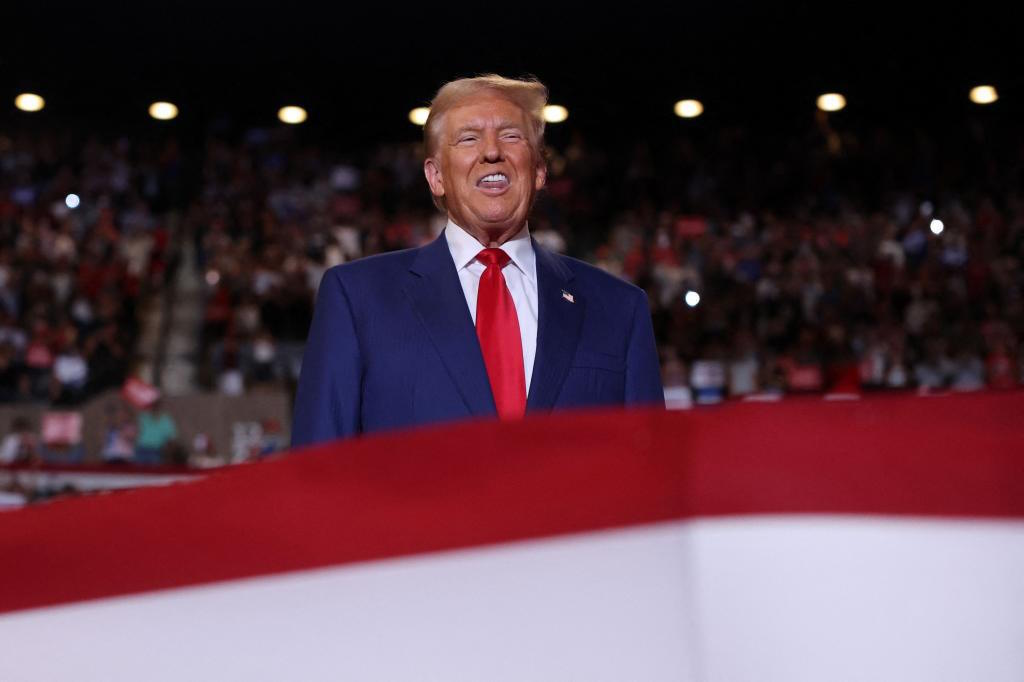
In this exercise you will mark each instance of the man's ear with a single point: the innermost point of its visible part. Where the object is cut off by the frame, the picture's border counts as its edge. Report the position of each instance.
(432, 169)
(541, 176)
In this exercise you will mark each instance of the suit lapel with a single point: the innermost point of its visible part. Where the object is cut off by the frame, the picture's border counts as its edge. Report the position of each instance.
(560, 312)
(439, 301)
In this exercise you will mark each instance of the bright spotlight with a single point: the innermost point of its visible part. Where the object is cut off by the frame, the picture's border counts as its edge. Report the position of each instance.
(418, 116)
(984, 94)
(692, 298)
(72, 201)
(555, 113)
(291, 115)
(28, 101)
(831, 101)
(937, 227)
(163, 111)
(688, 108)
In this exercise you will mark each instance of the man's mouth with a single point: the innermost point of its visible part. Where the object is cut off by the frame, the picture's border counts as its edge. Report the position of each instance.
(495, 182)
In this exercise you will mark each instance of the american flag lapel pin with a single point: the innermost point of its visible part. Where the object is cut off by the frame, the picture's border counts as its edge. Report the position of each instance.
(567, 296)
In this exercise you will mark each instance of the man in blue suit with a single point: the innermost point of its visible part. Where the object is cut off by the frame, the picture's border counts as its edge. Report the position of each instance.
(482, 322)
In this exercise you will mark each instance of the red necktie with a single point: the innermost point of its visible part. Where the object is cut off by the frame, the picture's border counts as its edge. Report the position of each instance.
(497, 327)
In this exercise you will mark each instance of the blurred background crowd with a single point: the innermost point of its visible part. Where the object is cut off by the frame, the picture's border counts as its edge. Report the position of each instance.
(797, 252)
(73, 272)
(836, 260)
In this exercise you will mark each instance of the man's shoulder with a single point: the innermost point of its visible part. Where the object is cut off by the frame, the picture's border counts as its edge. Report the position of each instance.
(595, 280)
(377, 266)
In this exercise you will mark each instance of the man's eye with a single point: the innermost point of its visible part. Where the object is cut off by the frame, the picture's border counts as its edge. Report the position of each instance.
(467, 138)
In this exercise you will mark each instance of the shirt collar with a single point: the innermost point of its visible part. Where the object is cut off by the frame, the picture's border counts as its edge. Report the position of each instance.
(464, 247)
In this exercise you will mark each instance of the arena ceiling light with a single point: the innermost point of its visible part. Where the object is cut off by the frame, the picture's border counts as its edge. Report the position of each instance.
(984, 94)
(418, 116)
(163, 111)
(29, 101)
(555, 113)
(831, 101)
(292, 115)
(688, 108)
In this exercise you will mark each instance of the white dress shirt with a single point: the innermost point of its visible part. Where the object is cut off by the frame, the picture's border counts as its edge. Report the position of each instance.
(520, 278)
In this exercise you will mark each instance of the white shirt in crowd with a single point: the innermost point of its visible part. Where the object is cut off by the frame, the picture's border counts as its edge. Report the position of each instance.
(520, 278)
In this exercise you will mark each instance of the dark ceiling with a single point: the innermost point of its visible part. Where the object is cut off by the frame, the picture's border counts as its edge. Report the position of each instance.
(360, 68)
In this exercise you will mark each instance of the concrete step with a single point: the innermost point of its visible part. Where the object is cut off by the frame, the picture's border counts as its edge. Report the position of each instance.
(178, 377)
(181, 343)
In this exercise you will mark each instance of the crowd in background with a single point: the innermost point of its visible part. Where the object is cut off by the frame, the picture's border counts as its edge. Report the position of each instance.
(774, 263)
(84, 242)
(817, 260)
(83, 233)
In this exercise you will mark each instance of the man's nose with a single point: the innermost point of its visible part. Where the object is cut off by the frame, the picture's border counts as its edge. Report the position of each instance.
(491, 149)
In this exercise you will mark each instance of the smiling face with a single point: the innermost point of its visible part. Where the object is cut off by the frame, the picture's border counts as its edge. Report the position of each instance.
(486, 167)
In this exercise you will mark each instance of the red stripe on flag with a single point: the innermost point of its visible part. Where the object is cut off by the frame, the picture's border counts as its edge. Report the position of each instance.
(489, 482)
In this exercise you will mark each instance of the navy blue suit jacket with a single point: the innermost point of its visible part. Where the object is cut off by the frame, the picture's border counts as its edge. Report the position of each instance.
(392, 344)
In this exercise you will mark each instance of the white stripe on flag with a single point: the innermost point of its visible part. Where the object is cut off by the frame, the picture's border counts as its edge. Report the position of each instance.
(789, 598)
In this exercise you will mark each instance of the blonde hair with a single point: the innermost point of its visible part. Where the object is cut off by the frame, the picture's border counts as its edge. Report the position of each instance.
(528, 93)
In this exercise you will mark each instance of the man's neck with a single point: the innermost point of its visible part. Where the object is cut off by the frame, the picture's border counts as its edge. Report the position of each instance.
(491, 239)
